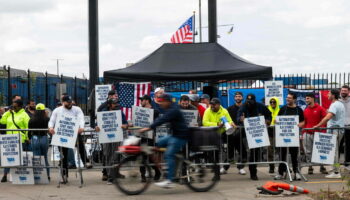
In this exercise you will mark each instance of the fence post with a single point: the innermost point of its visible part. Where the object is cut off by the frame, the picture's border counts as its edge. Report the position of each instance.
(75, 89)
(87, 95)
(9, 88)
(46, 90)
(28, 77)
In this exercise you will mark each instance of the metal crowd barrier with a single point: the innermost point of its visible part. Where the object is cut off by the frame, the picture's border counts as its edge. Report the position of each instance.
(238, 154)
(26, 148)
(231, 152)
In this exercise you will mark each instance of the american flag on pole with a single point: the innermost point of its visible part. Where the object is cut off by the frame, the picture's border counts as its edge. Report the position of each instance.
(129, 94)
(185, 33)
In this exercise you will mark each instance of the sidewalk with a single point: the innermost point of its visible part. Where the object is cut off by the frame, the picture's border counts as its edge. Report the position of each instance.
(231, 186)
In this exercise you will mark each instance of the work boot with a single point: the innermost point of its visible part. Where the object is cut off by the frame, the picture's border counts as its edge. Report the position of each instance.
(254, 177)
(104, 177)
(4, 179)
(310, 170)
(272, 169)
(323, 170)
(157, 175)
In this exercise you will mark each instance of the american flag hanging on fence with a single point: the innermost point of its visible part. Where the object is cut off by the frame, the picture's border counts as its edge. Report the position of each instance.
(129, 94)
(185, 33)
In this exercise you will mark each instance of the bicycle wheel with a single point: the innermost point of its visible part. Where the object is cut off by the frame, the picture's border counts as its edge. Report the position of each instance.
(201, 173)
(132, 178)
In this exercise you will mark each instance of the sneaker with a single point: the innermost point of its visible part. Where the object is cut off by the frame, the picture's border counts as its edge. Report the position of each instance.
(278, 177)
(310, 170)
(333, 175)
(242, 172)
(165, 184)
(88, 166)
(4, 179)
(297, 176)
(223, 171)
(323, 170)
(109, 181)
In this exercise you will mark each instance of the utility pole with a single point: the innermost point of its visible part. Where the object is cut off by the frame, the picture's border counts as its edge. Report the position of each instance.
(212, 23)
(58, 65)
(93, 44)
(200, 21)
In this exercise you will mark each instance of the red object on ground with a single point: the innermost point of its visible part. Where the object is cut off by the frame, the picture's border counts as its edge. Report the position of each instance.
(273, 188)
(292, 188)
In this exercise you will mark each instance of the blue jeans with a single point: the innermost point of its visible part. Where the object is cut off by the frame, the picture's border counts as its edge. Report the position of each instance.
(71, 157)
(173, 145)
(40, 146)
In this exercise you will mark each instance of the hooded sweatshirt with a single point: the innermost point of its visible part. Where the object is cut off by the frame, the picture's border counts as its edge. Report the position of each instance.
(274, 111)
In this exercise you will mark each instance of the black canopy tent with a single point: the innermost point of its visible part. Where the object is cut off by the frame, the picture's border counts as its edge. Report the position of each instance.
(190, 62)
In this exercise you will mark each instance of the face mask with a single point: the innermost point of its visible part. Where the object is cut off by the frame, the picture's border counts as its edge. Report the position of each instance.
(250, 102)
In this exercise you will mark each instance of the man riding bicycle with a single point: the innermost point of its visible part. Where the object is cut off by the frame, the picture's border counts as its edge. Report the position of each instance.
(173, 142)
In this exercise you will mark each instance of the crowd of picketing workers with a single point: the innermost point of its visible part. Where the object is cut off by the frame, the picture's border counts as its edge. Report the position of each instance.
(37, 116)
(210, 113)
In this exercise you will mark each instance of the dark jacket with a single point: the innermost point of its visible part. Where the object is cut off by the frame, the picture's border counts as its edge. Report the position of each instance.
(103, 107)
(233, 111)
(174, 116)
(124, 121)
(157, 107)
(259, 110)
(38, 124)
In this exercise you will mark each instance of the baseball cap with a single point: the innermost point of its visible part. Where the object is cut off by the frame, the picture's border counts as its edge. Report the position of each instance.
(145, 97)
(111, 92)
(194, 97)
(184, 98)
(158, 89)
(67, 98)
(239, 93)
(205, 96)
(165, 97)
(215, 101)
(40, 106)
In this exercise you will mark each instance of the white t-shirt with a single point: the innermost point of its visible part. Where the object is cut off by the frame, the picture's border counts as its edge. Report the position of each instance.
(74, 111)
(338, 110)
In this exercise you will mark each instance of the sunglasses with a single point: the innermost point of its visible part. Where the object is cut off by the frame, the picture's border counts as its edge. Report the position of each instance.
(272, 102)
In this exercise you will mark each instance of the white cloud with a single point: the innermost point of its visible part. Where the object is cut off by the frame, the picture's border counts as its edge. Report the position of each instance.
(292, 36)
(313, 13)
(20, 6)
(22, 45)
(154, 41)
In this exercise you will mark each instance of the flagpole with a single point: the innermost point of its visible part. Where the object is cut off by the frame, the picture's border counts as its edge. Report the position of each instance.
(194, 26)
